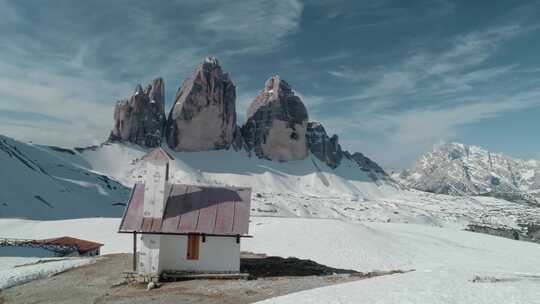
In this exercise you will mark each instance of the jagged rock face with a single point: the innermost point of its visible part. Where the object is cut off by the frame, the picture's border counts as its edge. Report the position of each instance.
(371, 168)
(203, 116)
(458, 169)
(366, 164)
(140, 119)
(238, 141)
(325, 148)
(276, 123)
(328, 150)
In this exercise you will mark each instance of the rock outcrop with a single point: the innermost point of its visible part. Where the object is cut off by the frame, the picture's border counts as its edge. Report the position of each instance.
(366, 164)
(325, 148)
(140, 119)
(276, 123)
(203, 116)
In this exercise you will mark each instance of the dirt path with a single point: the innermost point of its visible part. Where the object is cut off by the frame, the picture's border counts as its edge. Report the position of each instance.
(100, 283)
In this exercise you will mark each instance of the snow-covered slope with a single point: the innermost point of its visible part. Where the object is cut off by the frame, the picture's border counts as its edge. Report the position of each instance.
(459, 169)
(228, 167)
(36, 183)
(449, 266)
(309, 188)
(50, 183)
(279, 188)
(75, 184)
(445, 261)
(26, 273)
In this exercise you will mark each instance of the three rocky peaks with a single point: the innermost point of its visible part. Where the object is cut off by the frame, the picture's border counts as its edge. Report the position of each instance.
(203, 117)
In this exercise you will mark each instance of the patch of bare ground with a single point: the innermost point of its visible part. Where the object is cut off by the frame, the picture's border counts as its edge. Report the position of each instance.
(102, 282)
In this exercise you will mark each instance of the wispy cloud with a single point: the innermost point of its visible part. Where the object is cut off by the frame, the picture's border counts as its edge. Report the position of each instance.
(433, 72)
(382, 13)
(380, 78)
(408, 133)
(336, 56)
(9, 15)
(74, 60)
(430, 94)
(46, 102)
(258, 27)
(433, 124)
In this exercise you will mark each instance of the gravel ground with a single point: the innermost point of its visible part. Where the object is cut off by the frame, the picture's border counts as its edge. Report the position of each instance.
(102, 283)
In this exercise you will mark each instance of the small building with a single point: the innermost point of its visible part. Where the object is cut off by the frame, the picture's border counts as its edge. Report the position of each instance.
(60, 246)
(179, 227)
(73, 246)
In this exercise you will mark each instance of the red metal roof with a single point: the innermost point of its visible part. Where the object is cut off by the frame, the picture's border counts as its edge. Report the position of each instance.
(82, 245)
(158, 154)
(192, 209)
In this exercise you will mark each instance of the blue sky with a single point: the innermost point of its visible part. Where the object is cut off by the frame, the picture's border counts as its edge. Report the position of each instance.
(391, 78)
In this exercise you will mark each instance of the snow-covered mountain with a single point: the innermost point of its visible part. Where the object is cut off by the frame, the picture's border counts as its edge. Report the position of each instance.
(293, 188)
(459, 169)
(43, 182)
(81, 182)
(295, 169)
(309, 188)
(36, 183)
(270, 153)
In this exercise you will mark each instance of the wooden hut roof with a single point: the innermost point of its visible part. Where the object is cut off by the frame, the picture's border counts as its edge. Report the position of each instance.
(190, 209)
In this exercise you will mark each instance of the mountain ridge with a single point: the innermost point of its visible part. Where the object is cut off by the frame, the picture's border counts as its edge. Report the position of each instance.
(37, 183)
(203, 118)
(460, 169)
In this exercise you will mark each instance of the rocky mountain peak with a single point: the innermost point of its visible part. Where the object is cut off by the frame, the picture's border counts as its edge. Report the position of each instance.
(459, 169)
(276, 123)
(276, 86)
(156, 91)
(325, 148)
(211, 60)
(203, 116)
(140, 118)
(277, 89)
(138, 89)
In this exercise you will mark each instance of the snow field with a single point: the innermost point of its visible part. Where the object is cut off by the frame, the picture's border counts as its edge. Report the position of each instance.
(19, 275)
(445, 261)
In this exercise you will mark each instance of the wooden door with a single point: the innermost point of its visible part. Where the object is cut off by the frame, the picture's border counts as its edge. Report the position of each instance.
(193, 247)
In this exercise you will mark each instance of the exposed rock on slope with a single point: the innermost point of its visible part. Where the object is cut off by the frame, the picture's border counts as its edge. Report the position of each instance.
(459, 169)
(328, 150)
(203, 116)
(325, 148)
(140, 119)
(374, 171)
(276, 123)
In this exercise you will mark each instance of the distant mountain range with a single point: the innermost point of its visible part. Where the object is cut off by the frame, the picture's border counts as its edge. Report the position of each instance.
(277, 142)
(43, 182)
(293, 165)
(463, 170)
